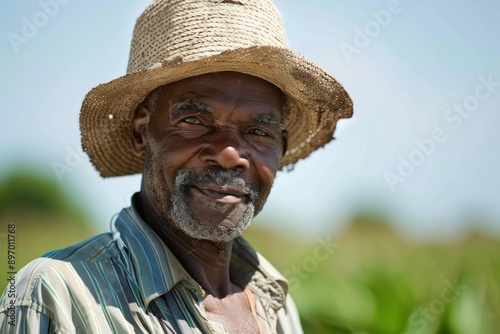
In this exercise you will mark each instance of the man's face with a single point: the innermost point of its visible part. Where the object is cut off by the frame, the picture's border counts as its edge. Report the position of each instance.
(213, 147)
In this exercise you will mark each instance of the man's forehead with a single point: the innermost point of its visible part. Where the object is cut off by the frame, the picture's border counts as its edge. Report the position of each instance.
(211, 83)
(228, 88)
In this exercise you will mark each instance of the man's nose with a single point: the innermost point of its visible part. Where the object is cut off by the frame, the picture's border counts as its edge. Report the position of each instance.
(225, 149)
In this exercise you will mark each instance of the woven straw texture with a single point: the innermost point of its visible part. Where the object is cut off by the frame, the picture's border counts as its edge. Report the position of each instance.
(177, 39)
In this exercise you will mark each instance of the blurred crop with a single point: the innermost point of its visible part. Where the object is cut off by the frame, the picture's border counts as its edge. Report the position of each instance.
(366, 278)
(377, 281)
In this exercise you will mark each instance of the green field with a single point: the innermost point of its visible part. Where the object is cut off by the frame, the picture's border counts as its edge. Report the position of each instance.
(372, 280)
(366, 278)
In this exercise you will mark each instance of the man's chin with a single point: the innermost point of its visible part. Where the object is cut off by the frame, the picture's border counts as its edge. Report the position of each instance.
(212, 233)
(213, 225)
(219, 214)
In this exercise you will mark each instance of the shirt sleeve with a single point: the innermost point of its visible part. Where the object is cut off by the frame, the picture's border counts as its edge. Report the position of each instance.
(30, 306)
(22, 319)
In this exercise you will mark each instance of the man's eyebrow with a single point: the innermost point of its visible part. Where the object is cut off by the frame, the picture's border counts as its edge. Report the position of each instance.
(268, 119)
(180, 108)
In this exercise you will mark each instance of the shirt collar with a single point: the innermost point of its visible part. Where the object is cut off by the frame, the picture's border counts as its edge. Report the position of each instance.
(158, 270)
(264, 279)
(156, 267)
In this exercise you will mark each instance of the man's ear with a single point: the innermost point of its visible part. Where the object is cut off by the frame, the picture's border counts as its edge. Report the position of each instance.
(284, 140)
(139, 125)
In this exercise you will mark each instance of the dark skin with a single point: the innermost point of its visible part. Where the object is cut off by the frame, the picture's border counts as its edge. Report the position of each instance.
(231, 121)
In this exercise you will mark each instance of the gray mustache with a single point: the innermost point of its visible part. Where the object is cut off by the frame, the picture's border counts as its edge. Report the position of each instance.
(218, 177)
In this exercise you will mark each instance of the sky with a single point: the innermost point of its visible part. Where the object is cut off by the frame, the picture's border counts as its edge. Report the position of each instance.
(421, 148)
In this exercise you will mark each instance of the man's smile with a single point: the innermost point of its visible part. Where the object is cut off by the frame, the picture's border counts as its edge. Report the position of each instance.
(226, 194)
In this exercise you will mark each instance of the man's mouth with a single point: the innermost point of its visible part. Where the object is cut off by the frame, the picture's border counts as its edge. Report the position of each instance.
(222, 194)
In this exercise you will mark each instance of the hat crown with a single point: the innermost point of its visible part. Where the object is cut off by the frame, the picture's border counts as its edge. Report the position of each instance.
(186, 30)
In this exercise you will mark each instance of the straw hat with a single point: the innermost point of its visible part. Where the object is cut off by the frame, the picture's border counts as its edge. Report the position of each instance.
(177, 39)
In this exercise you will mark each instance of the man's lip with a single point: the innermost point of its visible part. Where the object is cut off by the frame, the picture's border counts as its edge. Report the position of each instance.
(222, 194)
(225, 190)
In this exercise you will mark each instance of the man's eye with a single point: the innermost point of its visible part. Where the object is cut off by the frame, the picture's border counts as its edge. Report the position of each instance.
(192, 120)
(258, 132)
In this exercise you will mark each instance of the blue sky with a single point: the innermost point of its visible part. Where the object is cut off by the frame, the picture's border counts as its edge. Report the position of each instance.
(424, 77)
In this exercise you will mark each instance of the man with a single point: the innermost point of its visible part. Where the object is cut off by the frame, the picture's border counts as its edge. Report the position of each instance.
(213, 105)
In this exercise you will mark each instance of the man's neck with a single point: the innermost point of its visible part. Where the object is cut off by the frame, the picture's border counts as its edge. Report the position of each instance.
(207, 262)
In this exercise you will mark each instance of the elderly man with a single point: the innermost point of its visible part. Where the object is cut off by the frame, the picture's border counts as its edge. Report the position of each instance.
(213, 105)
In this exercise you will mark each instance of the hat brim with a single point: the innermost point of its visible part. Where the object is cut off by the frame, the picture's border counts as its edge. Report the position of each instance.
(316, 101)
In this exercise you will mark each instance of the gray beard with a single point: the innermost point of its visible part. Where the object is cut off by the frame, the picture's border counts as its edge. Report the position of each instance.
(181, 218)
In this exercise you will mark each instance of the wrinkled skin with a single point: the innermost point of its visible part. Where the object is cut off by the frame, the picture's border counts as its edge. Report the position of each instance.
(212, 124)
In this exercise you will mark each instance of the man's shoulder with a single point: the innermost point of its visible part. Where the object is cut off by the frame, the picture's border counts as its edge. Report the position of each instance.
(96, 248)
(54, 268)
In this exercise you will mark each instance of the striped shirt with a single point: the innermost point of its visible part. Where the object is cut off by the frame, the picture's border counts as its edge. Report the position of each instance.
(128, 281)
